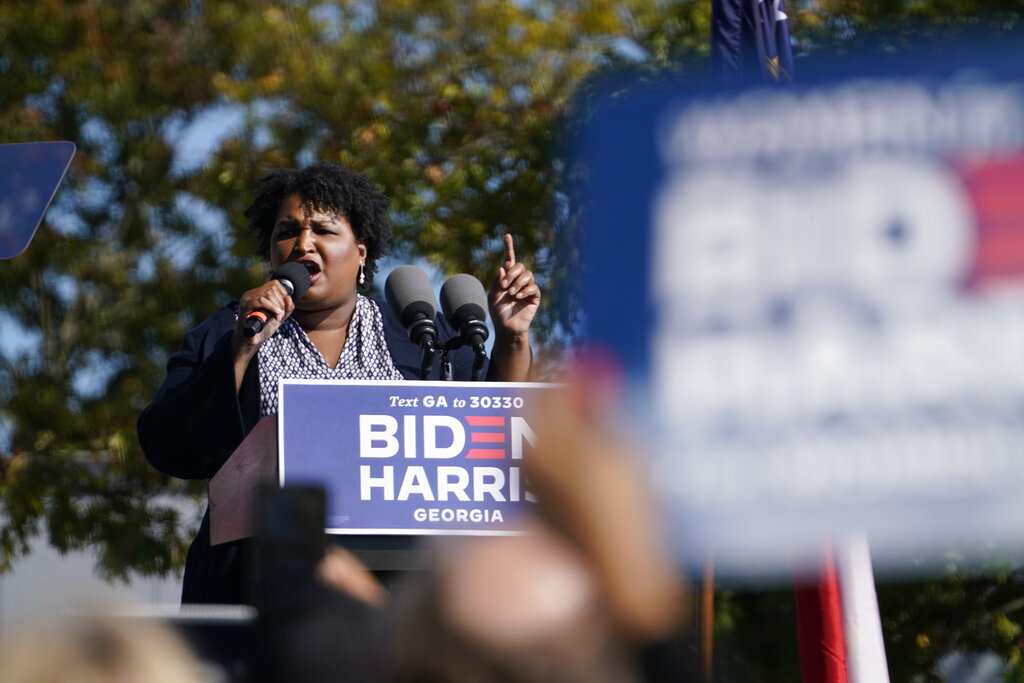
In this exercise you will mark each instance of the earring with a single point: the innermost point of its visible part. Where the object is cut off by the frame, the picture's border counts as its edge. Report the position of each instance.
(362, 275)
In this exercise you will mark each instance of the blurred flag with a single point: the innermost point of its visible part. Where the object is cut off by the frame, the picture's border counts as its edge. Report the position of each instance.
(750, 41)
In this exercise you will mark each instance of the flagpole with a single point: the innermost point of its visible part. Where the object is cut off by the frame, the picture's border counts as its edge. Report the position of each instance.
(862, 622)
(819, 622)
(706, 616)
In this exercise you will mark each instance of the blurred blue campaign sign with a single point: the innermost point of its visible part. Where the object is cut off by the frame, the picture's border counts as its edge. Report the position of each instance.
(818, 297)
(410, 458)
(30, 173)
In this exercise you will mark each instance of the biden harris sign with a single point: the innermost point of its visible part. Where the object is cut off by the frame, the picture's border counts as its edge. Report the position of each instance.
(410, 457)
(826, 323)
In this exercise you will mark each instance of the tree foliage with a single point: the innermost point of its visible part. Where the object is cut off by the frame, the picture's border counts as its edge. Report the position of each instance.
(453, 107)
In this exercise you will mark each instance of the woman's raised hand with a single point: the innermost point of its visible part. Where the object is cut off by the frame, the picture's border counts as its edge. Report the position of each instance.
(514, 300)
(514, 296)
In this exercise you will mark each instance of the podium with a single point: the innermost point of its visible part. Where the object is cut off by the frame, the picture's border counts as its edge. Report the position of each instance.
(397, 460)
(234, 494)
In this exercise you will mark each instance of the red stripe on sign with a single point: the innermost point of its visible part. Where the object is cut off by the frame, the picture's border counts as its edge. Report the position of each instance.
(486, 454)
(485, 420)
(488, 437)
(994, 187)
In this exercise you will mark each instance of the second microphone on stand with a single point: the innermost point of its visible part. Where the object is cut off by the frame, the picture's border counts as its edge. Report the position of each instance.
(411, 297)
(464, 303)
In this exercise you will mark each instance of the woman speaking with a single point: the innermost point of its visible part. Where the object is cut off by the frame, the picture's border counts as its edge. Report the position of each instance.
(333, 222)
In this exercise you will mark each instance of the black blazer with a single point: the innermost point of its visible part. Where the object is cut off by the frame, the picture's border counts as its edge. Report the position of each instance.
(196, 421)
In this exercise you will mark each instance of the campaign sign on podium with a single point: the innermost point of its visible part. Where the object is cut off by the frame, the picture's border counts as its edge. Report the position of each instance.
(410, 458)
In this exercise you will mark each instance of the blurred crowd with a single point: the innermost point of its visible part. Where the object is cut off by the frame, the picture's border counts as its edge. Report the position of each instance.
(590, 594)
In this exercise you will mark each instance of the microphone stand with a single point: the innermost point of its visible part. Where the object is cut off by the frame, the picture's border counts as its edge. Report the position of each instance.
(427, 358)
(477, 333)
(446, 365)
(480, 357)
(426, 332)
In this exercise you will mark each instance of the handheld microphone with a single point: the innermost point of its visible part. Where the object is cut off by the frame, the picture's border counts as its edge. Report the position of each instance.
(295, 279)
(411, 297)
(464, 303)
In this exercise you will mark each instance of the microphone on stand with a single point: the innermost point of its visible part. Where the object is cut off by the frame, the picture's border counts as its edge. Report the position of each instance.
(411, 297)
(295, 279)
(464, 303)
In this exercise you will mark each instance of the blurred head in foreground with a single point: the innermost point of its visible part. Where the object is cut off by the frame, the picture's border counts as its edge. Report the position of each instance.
(509, 609)
(589, 593)
(93, 649)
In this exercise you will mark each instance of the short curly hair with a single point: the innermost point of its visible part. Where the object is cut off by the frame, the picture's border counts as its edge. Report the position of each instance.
(325, 186)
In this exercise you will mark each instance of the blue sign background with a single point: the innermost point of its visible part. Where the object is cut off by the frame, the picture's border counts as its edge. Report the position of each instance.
(319, 433)
(30, 174)
(619, 148)
(812, 290)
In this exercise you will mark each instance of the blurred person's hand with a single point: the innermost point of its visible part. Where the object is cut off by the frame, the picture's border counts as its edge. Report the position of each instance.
(342, 571)
(517, 591)
(86, 647)
(590, 482)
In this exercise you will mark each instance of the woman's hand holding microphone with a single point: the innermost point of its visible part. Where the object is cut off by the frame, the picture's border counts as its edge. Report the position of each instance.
(262, 310)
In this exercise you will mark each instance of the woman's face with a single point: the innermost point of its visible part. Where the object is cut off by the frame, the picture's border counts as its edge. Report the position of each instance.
(325, 244)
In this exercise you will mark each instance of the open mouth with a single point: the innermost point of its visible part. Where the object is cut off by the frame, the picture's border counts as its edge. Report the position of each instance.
(311, 266)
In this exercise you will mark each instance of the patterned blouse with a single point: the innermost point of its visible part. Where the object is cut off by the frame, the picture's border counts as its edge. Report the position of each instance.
(290, 354)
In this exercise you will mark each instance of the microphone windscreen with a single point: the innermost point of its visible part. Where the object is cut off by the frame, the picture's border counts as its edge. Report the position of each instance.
(296, 274)
(463, 299)
(410, 295)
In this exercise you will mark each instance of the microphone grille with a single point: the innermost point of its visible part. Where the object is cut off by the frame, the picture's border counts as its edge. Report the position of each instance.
(463, 299)
(410, 295)
(294, 274)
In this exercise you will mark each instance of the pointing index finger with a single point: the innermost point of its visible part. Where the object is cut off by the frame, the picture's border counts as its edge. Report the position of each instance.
(510, 251)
